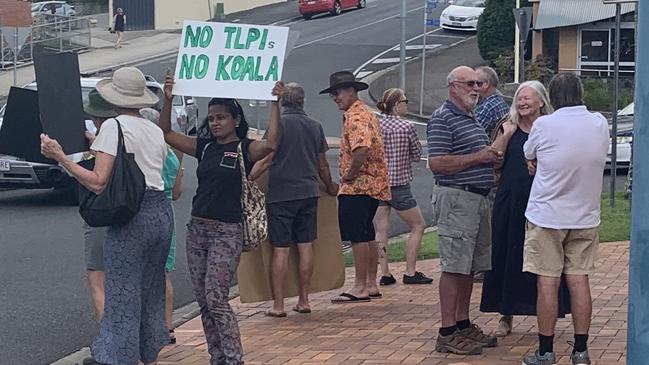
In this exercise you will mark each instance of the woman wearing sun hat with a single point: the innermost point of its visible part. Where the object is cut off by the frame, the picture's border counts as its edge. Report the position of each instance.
(133, 327)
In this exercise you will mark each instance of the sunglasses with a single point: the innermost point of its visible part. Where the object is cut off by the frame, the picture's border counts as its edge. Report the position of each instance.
(471, 83)
(403, 101)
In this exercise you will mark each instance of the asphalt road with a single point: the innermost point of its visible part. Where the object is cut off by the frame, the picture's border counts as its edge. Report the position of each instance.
(46, 311)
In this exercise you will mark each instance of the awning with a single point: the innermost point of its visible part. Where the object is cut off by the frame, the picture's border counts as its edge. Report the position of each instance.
(565, 13)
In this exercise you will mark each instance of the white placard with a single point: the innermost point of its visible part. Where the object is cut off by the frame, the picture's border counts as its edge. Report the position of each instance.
(230, 60)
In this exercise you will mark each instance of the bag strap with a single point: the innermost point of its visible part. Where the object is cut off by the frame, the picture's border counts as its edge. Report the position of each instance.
(120, 138)
(242, 167)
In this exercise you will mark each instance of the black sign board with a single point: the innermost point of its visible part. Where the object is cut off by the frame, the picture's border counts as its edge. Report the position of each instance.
(59, 99)
(21, 127)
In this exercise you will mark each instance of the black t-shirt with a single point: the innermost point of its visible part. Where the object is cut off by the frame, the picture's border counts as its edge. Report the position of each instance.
(218, 195)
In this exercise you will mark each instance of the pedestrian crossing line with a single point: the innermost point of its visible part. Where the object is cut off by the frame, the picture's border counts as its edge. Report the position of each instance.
(388, 60)
(364, 74)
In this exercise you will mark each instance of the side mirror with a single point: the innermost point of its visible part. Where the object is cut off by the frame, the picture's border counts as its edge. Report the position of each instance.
(190, 101)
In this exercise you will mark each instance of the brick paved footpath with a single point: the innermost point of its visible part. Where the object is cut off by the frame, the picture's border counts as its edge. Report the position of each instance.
(401, 328)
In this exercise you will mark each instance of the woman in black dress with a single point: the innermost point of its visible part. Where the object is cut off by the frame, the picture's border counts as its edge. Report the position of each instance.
(507, 289)
(119, 22)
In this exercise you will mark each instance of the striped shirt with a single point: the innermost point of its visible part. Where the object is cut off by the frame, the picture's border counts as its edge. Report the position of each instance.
(453, 132)
(402, 148)
(490, 111)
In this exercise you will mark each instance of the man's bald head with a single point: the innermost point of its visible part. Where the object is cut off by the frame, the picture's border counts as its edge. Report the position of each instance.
(460, 73)
(464, 88)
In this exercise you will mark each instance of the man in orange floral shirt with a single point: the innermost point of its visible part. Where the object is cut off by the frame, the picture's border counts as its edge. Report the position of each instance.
(363, 183)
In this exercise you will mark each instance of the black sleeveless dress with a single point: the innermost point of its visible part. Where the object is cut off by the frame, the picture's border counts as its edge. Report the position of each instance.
(506, 288)
(119, 23)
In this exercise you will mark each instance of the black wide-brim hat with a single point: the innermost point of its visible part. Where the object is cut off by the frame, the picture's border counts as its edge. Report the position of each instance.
(343, 79)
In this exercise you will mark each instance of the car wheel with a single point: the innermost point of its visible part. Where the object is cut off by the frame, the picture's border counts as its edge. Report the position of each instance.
(337, 10)
(362, 4)
(307, 16)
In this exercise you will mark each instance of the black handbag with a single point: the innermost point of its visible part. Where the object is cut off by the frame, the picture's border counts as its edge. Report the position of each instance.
(120, 201)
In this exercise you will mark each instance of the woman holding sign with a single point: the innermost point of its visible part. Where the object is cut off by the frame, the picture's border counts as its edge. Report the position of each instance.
(214, 233)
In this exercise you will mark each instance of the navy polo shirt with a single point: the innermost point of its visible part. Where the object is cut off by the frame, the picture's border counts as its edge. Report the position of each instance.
(451, 131)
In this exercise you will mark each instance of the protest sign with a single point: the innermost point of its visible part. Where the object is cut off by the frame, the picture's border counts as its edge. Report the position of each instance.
(230, 60)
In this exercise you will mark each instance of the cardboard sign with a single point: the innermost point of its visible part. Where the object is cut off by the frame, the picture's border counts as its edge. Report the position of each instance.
(21, 127)
(59, 99)
(230, 60)
(254, 275)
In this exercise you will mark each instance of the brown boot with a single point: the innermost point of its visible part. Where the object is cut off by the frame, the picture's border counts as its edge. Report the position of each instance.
(475, 334)
(457, 344)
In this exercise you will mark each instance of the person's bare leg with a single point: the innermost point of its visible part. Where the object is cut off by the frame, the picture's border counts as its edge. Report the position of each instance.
(581, 303)
(465, 288)
(415, 221)
(382, 227)
(360, 251)
(278, 273)
(449, 285)
(169, 302)
(547, 305)
(305, 267)
(96, 286)
(372, 267)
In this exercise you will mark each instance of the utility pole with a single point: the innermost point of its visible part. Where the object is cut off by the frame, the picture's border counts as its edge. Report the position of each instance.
(517, 45)
(402, 65)
(638, 326)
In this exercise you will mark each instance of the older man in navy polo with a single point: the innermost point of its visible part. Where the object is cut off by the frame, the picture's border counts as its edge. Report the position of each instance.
(461, 159)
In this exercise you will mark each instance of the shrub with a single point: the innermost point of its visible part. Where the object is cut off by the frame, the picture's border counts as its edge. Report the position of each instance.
(496, 29)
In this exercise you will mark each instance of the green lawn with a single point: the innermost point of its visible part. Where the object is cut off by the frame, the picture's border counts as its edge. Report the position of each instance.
(616, 226)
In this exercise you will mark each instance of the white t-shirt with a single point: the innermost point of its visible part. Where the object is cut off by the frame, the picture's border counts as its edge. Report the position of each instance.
(570, 147)
(142, 138)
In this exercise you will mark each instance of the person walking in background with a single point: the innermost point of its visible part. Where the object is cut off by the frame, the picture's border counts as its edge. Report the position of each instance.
(363, 183)
(462, 161)
(119, 24)
(215, 231)
(567, 151)
(507, 289)
(293, 191)
(133, 327)
(402, 149)
(172, 173)
(492, 108)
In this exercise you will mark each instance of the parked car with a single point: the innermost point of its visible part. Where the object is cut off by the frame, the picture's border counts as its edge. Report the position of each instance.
(17, 173)
(462, 15)
(53, 8)
(309, 8)
(625, 120)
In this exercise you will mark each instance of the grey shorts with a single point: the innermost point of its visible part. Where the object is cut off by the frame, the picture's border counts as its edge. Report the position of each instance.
(463, 222)
(402, 198)
(94, 246)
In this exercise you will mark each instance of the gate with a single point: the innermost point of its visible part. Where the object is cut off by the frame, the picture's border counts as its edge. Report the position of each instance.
(140, 14)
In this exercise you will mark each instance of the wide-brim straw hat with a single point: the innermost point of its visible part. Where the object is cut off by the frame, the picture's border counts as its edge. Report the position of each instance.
(342, 79)
(127, 89)
(96, 106)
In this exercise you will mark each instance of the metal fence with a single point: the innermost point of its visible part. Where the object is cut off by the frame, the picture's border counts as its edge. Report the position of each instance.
(51, 32)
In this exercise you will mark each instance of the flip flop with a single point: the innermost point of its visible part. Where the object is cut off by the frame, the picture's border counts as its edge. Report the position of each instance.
(350, 299)
(376, 296)
(301, 310)
(269, 313)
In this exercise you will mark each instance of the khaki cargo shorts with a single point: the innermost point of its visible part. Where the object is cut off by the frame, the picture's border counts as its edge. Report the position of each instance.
(552, 252)
(463, 222)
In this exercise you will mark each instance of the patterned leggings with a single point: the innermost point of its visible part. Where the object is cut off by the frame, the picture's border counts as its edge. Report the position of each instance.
(213, 253)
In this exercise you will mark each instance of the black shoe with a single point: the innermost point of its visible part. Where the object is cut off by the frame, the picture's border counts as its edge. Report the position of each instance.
(388, 280)
(418, 278)
(91, 361)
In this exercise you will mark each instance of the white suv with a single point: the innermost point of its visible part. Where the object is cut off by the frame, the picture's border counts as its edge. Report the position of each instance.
(53, 8)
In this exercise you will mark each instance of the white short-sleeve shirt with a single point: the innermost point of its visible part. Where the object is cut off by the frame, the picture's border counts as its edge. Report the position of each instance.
(570, 147)
(142, 138)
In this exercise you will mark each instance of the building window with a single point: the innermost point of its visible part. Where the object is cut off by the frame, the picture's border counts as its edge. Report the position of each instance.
(594, 46)
(597, 50)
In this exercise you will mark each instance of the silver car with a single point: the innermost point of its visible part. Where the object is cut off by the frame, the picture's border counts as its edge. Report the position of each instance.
(60, 8)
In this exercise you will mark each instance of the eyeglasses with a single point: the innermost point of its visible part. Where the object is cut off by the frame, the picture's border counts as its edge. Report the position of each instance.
(403, 101)
(470, 83)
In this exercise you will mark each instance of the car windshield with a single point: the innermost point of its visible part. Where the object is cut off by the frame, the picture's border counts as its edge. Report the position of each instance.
(178, 101)
(470, 3)
(627, 111)
(35, 7)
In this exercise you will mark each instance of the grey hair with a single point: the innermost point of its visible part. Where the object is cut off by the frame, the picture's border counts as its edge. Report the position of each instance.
(540, 91)
(150, 114)
(491, 74)
(294, 96)
(452, 76)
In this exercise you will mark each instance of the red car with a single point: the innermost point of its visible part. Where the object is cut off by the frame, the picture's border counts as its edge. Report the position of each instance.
(309, 8)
